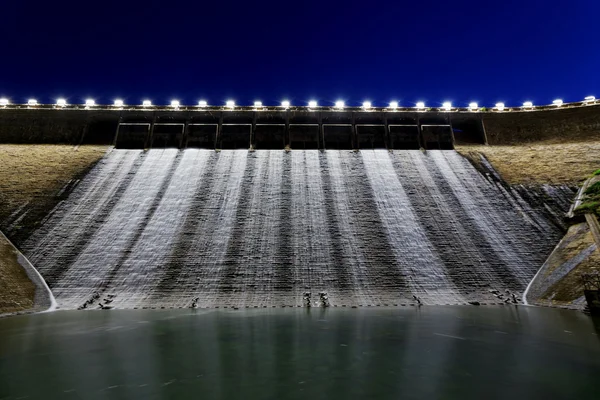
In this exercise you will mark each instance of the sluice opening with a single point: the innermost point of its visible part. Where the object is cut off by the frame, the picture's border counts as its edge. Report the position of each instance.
(437, 137)
(338, 137)
(468, 131)
(201, 136)
(234, 137)
(304, 137)
(132, 136)
(371, 137)
(167, 135)
(269, 137)
(404, 137)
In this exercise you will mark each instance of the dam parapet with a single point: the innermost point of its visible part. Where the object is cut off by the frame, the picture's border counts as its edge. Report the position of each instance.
(299, 128)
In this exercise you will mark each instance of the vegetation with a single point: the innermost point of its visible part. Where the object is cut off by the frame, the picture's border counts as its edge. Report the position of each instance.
(591, 199)
(589, 207)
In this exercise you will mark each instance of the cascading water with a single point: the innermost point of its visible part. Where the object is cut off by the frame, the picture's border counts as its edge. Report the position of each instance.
(259, 229)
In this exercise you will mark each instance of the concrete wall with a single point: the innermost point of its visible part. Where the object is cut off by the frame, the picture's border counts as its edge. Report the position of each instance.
(566, 125)
(243, 128)
(49, 126)
(84, 126)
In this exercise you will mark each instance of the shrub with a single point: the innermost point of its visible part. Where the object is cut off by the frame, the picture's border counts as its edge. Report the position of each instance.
(589, 207)
(593, 190)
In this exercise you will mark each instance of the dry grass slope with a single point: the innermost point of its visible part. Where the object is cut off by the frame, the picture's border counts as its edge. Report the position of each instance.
(16, 290)
(568, 262)
(31, 178)
(540, 163)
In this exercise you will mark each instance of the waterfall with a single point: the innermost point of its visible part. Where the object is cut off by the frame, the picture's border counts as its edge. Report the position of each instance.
(259, 229)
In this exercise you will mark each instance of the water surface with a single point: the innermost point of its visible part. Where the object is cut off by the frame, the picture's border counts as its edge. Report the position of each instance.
(457, 352)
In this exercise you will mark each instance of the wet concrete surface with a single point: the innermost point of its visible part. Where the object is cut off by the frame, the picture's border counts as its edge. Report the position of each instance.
(258, 229)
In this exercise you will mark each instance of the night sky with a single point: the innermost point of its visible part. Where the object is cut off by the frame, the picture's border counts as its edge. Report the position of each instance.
(460, 51)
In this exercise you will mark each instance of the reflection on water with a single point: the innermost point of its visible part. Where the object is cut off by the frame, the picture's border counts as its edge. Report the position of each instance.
(431, 352)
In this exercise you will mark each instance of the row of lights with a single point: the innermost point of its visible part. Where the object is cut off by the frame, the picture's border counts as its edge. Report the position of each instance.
(447, 106)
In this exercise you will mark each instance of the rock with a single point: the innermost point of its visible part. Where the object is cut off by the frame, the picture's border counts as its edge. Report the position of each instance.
(475, 303)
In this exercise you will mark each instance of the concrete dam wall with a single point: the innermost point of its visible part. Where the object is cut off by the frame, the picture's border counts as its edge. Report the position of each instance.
(235, 228)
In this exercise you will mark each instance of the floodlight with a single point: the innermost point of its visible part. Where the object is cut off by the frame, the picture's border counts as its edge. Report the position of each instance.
(447, 106)
(312, 103)
(339, 104)
(285, 104)
(366, 104)
(32, 102)
(230, 103)
(3, 102)
(420, 105)
(528, 104)
(558, 102)
(258, 104)
(175, 103)
(202, 103)
(393, 104)
(146, 103)
(118, 103)
(590, 98)
(61, 102)
(473, 106)
(500, 106)
(90, 103)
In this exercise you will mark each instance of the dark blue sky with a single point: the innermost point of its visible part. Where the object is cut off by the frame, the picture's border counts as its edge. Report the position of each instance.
(485, 51)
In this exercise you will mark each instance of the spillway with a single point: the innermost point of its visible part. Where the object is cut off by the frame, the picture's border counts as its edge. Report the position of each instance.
(234, 228)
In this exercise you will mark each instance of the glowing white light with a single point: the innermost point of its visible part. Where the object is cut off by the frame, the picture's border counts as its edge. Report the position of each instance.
(285, 104)
(230, 103)
(473, 106)
(3, 102)
(447, 106)
(118, 103)
(590, 98)
(393, 104)
(32, 102)
(90, 103)
(366, 104)
(202, 103)
(500, 106)
(528, 104)
(258, 104)
(340, 104)
(175, 103)
(312, 103)
(558, 102)
(420, 105)
(61, 102)
(146, 103)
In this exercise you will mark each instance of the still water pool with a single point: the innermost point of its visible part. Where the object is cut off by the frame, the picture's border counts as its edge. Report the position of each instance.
(459, 352)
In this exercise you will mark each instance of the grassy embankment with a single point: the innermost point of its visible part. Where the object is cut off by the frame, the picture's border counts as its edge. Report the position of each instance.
(31, 179)
(17, 292)
(539, 162)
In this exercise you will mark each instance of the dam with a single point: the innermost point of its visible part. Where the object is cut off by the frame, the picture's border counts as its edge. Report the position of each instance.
(243, 209)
